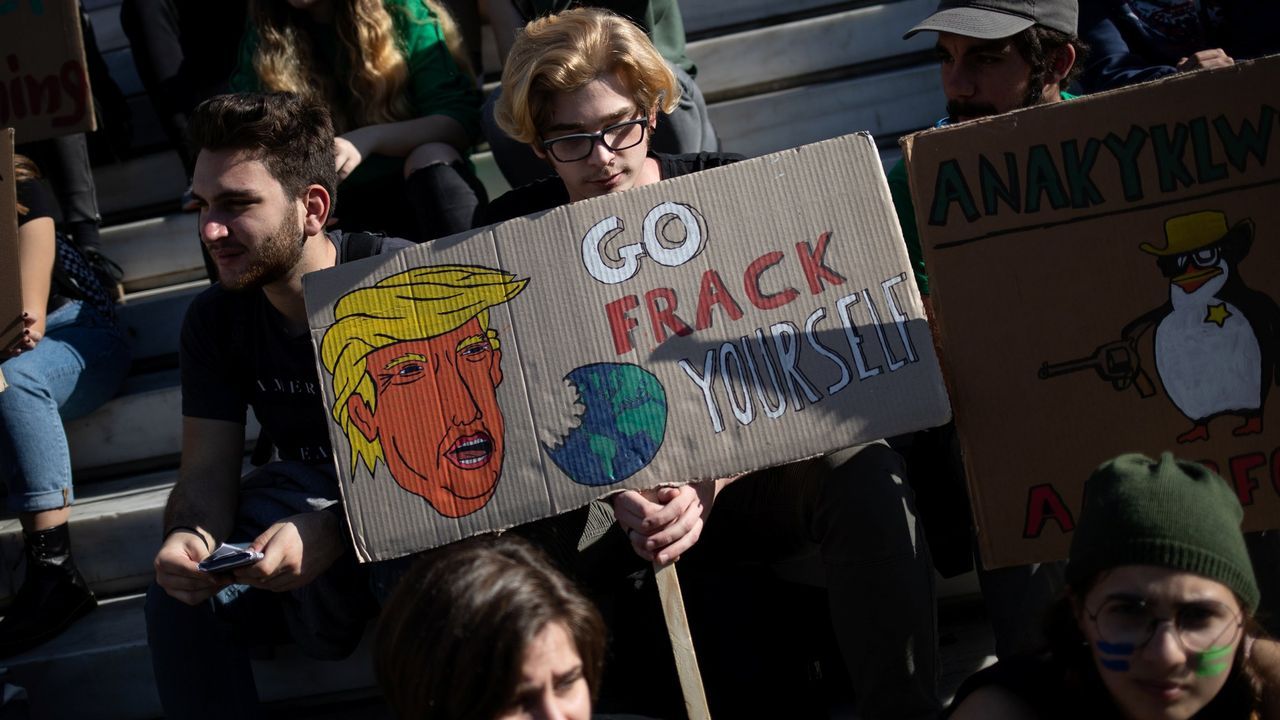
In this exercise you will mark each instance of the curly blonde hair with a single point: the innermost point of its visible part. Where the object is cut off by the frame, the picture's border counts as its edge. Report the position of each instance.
(563, 52)
(377, 70)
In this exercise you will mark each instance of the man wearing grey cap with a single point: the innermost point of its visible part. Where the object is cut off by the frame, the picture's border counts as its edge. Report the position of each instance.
(995, 56)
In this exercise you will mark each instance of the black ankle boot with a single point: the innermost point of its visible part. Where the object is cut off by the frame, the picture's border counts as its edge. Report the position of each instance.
(53, 594)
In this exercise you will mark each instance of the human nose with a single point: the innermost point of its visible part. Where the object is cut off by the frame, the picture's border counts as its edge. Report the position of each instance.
(600, 153)
(548, 708)
(957, 81)
(1165, 644)
(211, 228)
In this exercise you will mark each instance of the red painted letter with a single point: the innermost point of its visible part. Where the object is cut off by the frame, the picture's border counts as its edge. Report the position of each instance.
(74, 83)
(751, 283)
(664, 317)
(815, 270)
(1045, 504)
(1241, 466)
(620, 323)
(714, 293)
(1275, 470)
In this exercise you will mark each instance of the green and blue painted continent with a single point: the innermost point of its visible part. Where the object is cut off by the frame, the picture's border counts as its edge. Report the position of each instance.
(621, 428)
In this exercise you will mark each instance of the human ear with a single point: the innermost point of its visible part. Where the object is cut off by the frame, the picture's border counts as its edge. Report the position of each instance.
(1064, 58)
(362, 417)
(317, 204)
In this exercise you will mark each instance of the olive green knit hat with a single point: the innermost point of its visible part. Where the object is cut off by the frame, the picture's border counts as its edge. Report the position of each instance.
(1171, 513)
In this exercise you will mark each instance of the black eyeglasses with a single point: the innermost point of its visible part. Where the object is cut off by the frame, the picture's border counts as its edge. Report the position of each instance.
(571, 148)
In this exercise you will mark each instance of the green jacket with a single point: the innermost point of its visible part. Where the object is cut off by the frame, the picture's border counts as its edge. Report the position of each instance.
(436, 85)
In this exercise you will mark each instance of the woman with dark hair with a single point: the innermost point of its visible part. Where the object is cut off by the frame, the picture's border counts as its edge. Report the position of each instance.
(69, 357)
(487, 628)
(1157, 619)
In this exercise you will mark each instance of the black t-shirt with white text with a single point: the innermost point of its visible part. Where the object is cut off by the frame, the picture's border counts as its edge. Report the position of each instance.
(236, 353)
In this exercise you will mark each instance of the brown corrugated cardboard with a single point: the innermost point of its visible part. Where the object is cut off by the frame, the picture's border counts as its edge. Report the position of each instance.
(613, 324)
(10, 280)
(44, 87)
(1103, 274)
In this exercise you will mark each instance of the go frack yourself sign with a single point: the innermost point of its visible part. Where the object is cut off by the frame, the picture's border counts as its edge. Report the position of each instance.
(1104, 273)
(704, 326)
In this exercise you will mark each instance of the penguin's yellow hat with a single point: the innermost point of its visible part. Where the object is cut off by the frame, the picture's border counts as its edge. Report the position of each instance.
(1190, 232)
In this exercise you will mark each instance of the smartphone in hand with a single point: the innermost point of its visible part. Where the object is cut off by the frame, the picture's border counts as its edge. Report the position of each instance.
(229, 556)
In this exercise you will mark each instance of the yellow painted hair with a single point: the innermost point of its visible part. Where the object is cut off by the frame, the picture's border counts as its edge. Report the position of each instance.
(562, 52)
(416, 304)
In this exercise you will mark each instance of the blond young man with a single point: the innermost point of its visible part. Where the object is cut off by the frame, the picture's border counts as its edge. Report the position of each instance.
(583, 88)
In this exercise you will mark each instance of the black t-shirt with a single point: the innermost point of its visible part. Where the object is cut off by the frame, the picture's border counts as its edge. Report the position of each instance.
(550, 192)
(38, 199)
(236, 353)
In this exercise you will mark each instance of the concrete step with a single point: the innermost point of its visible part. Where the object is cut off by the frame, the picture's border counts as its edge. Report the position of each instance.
(157, 252)
(736, 64)
(115, 531)
(153, 321)
(887, 104)
(101, 668)
(143, 422)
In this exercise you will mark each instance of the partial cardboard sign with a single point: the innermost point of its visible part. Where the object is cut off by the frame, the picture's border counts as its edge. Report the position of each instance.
(700, 327)
(10, 279)
(1104, 280)
(44, 87)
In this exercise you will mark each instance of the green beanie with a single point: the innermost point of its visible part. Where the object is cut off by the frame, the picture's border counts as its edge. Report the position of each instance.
(1171, 513)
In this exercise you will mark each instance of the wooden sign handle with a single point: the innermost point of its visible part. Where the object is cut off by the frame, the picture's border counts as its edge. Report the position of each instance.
(695, 699)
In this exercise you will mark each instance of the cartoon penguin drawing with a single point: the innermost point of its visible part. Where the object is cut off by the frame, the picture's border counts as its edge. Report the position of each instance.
(1216, 340)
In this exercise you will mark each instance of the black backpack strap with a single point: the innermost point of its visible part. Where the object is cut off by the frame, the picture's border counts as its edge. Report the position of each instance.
(360, 245)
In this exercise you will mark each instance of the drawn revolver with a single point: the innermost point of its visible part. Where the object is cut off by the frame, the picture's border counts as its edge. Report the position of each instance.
(1116, 362)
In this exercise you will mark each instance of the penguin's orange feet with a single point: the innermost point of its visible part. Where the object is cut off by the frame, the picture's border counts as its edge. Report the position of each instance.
(1252, 426)
(1199, 432)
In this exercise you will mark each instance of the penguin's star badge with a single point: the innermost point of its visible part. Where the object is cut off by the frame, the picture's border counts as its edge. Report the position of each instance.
(1218, 314)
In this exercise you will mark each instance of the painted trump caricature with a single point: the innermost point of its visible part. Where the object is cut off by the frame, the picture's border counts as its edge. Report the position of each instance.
(415, 370)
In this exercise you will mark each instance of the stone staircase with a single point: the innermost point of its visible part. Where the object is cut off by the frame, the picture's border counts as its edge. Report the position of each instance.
(775, 75)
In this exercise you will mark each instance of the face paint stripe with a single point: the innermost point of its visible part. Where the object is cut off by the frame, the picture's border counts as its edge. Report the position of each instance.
(1115, 648)
(1116, 665)
(1211, 669)
(1216, 653)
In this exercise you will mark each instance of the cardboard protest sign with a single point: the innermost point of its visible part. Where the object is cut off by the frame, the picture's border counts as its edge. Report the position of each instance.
(10, 280)
(696, 328)
(1104, 279)
(44, 87)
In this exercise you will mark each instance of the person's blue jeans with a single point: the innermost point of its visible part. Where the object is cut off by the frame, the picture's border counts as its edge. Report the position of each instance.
(77, 366)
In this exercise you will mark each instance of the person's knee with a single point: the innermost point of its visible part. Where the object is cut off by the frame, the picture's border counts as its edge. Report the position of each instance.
(431, 153)
(866, 501)
(873, 477)
(26, 379)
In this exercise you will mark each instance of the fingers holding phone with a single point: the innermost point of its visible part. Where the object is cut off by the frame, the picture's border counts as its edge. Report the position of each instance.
(294, 552)
(178, 572)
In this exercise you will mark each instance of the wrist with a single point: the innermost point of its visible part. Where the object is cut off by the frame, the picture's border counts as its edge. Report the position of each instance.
(188, 529)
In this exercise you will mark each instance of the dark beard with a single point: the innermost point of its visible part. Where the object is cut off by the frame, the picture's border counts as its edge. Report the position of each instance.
(273, 259)
(959, 108)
